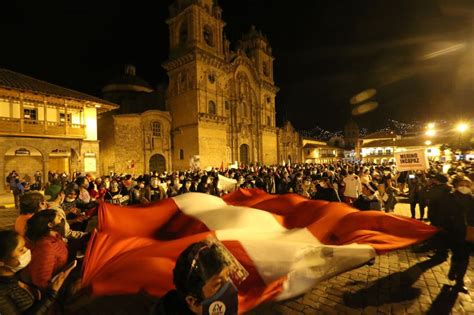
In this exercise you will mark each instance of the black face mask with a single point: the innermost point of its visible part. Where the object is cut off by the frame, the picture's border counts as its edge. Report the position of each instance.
(224, 302)
(60, 228)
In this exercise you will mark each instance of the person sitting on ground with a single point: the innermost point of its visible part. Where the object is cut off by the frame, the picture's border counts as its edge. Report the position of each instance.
(49, 253)
(17, 297)
(204, 276)
(30, 203)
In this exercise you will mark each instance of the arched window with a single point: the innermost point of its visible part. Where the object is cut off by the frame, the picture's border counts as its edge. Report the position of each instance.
(183, 32)
(269, 121)
(212, 108)
(208, 36)
(156, 128)
(181, 154)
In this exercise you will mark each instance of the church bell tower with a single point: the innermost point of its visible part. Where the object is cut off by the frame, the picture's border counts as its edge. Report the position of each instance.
(195, 68)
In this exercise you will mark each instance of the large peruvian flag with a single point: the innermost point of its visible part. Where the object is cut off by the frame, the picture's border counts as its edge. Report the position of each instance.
(287, 243)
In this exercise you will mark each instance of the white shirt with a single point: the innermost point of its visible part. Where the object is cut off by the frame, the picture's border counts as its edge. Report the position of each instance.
(352, 186)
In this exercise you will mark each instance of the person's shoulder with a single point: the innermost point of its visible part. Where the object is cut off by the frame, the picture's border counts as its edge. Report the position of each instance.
(170, 304)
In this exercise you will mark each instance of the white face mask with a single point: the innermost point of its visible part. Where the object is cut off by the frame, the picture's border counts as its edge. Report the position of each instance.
(464, 190)
(70, 199)
(24, 260)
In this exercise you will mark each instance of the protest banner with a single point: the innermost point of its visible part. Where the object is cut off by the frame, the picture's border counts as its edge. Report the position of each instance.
(412, 160)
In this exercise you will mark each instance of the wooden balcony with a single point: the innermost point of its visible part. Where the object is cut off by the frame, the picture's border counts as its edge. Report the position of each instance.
(38, 128)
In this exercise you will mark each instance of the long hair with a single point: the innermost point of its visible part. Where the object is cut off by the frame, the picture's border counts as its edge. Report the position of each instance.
(8, 243)
(37, 226)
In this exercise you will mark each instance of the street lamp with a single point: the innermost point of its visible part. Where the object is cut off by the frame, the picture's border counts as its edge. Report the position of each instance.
(430, 132)
(462, 127)
(427, 142)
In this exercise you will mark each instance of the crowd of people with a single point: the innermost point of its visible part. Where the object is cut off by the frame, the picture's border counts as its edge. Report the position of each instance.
(51, 229)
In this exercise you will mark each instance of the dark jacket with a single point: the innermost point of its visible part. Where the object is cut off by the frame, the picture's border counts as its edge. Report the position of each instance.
(458, 215)
(364, 203)
(16, 300)
(171, 304)
(328, 194)
(437, 197)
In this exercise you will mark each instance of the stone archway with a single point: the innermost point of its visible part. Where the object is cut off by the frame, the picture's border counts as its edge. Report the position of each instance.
(25, 160)
(244, 154)
(157, 163)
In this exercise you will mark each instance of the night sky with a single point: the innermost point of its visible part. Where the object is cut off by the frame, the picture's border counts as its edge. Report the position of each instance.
(325, 50)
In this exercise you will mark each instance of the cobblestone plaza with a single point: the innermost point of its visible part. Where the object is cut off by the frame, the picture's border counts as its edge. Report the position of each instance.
(405, 281)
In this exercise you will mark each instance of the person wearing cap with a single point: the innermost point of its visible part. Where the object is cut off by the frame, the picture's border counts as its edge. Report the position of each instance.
(204, 277)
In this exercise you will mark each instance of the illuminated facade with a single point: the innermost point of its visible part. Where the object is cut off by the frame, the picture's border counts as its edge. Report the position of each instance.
(44, 127)
(222, 102)
(380, 147)
(319, 152)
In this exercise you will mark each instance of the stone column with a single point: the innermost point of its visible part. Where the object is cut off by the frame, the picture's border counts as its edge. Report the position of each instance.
(2, 170)
(22, 115)
(45, 114)
(65, 118)
(45, 169)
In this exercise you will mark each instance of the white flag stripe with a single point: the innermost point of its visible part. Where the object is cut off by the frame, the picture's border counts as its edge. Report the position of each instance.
(275, 251)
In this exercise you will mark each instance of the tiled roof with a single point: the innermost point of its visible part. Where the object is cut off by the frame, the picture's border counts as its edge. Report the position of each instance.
(17, 81)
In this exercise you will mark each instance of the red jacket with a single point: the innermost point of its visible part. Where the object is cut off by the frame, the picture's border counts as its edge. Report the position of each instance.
(48, 257)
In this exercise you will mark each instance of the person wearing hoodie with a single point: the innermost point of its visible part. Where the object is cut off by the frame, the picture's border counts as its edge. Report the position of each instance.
(459, 215)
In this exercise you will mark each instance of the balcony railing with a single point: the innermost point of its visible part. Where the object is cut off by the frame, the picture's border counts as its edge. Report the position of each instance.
(15, 126)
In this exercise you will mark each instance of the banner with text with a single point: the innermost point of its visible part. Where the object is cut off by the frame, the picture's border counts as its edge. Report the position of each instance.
(412, 160)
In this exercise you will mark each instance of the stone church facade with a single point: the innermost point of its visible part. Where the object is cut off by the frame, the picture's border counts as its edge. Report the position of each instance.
(219, 106)
(222, 102)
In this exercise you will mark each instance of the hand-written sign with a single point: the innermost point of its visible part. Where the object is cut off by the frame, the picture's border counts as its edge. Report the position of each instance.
(411, 160)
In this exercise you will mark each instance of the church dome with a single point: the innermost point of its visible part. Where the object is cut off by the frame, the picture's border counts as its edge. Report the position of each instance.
(128, 81)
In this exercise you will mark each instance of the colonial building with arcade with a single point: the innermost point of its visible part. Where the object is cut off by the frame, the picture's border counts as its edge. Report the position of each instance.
(45, 127)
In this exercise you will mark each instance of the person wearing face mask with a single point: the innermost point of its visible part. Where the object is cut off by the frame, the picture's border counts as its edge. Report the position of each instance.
(49, 253)
(157, 192)
(205, 277)
(17, 297)
(55, 198)
(138, 193)
(459, 215)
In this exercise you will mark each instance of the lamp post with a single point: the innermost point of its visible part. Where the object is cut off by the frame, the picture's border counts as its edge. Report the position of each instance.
(461, 128)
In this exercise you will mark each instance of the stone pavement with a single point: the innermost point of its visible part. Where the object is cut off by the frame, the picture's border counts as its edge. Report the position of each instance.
(400, 282)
